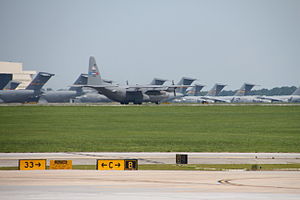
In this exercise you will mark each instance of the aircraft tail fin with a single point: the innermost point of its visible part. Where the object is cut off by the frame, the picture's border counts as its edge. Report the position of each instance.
(39, 81)
(297, 91)
(81, 80)
(11, 85)
(158, 81)
(198, 89)
(184, 81)
(245, 89)
(215, 91)
(94, 77)
(4, 79)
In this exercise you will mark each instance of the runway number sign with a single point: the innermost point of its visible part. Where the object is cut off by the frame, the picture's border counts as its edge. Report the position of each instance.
(60, 164)
(109, 164)
(34, 164)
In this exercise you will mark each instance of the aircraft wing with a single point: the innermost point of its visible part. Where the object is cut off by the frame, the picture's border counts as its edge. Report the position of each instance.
(215, 99)
(95, 86)
(272, 99)
(170, 88)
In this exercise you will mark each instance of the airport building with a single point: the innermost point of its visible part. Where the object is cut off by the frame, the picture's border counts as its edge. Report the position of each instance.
(16, 69)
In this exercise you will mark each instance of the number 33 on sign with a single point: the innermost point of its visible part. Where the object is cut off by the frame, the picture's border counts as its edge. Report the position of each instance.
(35, 164)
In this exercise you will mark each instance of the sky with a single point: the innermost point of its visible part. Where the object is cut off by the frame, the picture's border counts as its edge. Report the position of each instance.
(214, 41)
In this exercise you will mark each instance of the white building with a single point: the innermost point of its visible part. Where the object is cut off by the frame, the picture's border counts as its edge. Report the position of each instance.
(16, 69)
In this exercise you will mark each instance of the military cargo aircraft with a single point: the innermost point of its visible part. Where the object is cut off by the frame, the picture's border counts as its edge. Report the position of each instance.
(30, 94)
(4, 79)
(241, 96)
(208, 98)
(11, 85)
(136, 94)
(62, 96)
(293, 98)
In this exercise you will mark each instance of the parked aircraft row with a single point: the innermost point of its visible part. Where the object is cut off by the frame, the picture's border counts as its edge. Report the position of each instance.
(32, 92)
(175, 93)
(91, 87)
(241, 96)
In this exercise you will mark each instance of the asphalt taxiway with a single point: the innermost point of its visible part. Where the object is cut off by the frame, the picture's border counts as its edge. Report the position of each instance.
(146, 185)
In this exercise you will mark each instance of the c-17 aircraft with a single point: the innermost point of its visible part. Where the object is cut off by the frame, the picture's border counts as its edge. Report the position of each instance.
(195, 91)
(4, 79)
(293, 98)
(11, 85)
(185, 82)
(61, 96)
(241, 96)
(136, 94)
(30, 94)
(209, 97)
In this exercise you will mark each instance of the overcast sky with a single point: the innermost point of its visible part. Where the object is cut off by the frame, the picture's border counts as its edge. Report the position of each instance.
(225, 41)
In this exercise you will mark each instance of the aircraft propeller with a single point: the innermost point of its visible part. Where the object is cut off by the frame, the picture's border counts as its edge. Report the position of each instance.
(174, 88)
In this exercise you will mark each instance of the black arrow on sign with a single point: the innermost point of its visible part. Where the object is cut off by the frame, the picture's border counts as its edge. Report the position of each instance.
(38, 164)
(118, 165)
(103, 165)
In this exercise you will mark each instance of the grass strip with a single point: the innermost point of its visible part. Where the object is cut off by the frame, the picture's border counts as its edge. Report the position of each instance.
(150, 129)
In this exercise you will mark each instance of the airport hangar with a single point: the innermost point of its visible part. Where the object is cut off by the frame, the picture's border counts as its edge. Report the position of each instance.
(15, 71)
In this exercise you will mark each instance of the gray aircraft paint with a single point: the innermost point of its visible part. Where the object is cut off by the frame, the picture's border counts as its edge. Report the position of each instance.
(244, 90)
(198, 89)
(195, 91)
(113, 92)
(297, 91)
(125, 94)
(4, 79)
(95, 97)
(81, 80)
(184, 81)
(293, 98)
(62, 96)
(30, 94)
(214, 91)
(91, 97)
(179, 92)
(158, 81)
(11, 85)
(240, 96)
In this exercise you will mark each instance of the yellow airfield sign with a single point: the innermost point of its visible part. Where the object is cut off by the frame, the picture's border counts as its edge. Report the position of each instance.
(34, 164)
(60, 164)
(109, 164)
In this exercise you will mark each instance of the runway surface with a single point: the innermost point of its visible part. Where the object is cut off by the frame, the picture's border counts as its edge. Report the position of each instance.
(144, 185)
(89, 158)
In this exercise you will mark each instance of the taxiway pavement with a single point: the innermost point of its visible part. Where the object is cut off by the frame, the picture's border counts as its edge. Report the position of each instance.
(146, 185)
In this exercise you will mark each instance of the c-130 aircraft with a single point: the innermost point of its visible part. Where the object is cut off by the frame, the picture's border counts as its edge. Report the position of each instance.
(137, 94)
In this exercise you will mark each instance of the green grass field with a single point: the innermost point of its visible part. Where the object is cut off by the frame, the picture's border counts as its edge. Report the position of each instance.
(150, 128)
